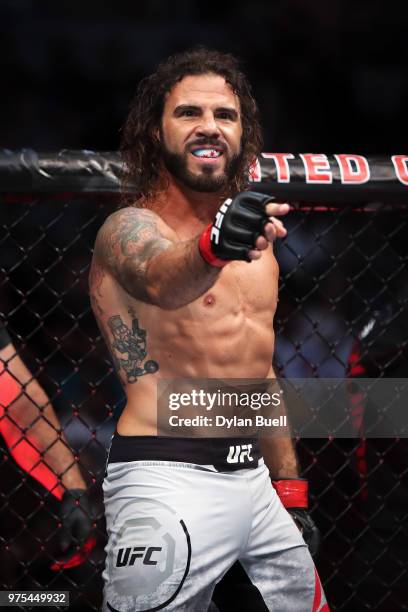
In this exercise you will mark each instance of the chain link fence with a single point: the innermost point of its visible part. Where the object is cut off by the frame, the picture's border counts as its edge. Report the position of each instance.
(342, 312)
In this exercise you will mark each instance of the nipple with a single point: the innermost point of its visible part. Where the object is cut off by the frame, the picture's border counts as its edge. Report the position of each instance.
(209, 300)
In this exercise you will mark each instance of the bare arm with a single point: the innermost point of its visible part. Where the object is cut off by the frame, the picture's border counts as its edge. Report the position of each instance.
(280, 457)
(279, 453)
(30, 427)
(144, 256)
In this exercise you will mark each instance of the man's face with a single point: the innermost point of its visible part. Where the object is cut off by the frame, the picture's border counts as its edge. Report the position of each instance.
(201, 132)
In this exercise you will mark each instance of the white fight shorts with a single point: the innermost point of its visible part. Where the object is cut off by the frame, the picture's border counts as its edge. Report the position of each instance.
(180, 512)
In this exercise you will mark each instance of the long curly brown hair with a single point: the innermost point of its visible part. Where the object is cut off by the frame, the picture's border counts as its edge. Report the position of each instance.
(140, 147)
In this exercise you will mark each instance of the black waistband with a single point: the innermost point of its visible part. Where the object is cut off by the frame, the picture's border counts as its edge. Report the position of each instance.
(225, 454)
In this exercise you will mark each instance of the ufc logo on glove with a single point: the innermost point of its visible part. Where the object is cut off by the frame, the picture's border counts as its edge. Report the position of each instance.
(219, 218)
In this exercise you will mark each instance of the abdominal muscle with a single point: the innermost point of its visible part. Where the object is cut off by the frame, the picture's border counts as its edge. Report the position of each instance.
(235, 348)
(226, 333)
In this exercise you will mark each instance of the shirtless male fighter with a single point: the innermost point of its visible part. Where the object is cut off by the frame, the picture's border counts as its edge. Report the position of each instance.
(184, 285)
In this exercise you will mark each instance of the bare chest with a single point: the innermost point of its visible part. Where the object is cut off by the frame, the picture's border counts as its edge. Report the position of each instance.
(242, 288)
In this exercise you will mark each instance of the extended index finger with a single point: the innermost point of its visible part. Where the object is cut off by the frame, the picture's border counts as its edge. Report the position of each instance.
(274, 209)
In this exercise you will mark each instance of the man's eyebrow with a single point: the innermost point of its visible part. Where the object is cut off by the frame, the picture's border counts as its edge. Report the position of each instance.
(186, 107)
(197, 109)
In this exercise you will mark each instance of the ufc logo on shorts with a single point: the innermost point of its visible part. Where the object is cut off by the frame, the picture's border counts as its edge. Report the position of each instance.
(128, 556)
(238, 453)
(219, 218)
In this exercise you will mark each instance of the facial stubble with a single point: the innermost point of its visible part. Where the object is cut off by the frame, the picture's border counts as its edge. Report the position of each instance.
(205, 182)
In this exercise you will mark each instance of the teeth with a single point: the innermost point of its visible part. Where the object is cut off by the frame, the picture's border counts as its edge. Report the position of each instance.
(206, 153)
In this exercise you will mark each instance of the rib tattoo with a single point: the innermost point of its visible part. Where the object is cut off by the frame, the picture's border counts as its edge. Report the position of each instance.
(130, 342)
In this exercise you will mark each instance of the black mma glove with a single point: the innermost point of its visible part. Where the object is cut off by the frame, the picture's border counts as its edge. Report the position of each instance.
(75, 539)
(237, 224)
(293, 493)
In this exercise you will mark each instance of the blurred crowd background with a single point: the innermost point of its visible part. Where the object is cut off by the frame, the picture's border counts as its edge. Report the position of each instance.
(328, 77)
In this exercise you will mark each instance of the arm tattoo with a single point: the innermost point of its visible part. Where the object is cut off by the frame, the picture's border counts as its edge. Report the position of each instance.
(127, 242)
(131, 344)
(96, 277)
(150, 262)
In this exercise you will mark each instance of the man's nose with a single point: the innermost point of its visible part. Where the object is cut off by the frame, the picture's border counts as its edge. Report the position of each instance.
(208, 126)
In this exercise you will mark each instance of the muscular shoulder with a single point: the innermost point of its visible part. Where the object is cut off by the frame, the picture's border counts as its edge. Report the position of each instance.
(131, 233)
(132, 215)
(129, 222)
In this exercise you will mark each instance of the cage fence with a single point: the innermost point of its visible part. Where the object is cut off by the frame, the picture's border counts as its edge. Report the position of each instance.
(342, 313)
